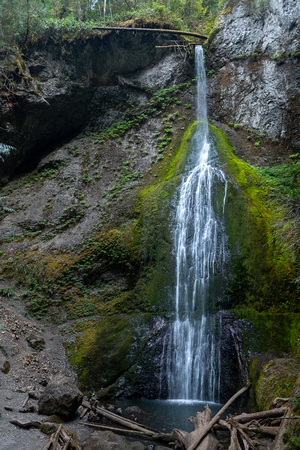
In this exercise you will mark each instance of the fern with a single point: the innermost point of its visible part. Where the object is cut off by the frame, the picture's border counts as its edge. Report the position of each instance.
(5, 151)
(4, 208)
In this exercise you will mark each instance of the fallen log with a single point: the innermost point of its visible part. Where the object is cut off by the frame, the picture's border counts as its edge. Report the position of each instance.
(62, 439)
(119, 420)
(155, 30)
(107, 427)
(278, 400)
(234, 442)
(252, 428)
(53, 441)
(176, 45)
(26, 425)
(277, 412)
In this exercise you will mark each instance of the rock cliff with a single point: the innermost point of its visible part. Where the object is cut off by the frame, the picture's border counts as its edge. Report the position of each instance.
(253, 62)
(65, 84)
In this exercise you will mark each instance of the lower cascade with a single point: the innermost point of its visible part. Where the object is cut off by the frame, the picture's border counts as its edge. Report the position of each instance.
(193, 350)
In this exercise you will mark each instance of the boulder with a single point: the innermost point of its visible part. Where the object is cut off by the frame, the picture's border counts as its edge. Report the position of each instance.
(61, 397)
(277, 379)
(36, 342)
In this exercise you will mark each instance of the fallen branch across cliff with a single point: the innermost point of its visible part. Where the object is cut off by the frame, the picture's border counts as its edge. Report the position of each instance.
(155, 30)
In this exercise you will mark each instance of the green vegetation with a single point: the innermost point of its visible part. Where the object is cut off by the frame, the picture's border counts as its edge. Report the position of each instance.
(263, 261)
(276, 379)
(25, 21)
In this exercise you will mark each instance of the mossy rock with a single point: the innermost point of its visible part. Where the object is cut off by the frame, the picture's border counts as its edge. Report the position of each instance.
(262, 271)
(276, 379)
(100, 351)
(279, 332)
(106, 349)
(153, 233)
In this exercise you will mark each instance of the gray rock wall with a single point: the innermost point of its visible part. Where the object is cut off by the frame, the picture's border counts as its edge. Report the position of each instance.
(70, 82)
(254, 57)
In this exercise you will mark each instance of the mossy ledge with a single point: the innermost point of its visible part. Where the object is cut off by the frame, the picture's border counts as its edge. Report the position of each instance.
(263, 271)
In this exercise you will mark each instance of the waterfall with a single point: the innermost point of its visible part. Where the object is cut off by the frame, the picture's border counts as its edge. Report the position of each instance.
(193, 354)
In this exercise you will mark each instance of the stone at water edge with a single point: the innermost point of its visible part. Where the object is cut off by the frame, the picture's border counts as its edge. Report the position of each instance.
(61, 396)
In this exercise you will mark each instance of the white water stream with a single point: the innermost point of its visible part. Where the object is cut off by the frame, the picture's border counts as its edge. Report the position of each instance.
(193, 353)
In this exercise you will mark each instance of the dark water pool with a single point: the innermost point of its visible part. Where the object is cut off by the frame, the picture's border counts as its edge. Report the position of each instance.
(164, 415)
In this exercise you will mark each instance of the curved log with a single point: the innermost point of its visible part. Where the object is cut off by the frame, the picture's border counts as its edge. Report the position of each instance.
(155, 30)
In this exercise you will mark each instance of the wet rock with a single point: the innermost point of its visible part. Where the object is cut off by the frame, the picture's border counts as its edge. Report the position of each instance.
(61, 397)
(34, 395)
(102, 440)
(134, 410)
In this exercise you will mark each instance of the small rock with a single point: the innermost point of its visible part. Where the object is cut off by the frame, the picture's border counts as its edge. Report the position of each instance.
(36, 342)
(33, 394)
(134, 410)
(6, 367)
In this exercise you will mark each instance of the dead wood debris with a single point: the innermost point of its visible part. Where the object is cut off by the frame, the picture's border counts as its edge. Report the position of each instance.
(62, 439)
(241, 431)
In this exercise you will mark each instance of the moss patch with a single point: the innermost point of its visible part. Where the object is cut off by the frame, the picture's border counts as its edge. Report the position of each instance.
(279, 332)
(277, 379)
(100, 352)
(263, 271)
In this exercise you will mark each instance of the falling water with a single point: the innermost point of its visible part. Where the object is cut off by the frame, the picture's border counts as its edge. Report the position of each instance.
(193, 354)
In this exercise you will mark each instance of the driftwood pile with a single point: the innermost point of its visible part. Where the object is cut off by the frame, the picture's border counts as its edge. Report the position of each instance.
(62, 439)
(241, 432)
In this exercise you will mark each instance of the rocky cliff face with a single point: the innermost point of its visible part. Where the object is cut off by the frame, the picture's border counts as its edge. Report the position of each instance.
(68, 83)
(254, 68)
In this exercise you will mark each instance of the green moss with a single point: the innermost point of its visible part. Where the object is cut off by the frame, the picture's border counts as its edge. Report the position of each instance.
(100, 351)
(281, 332)
(263, 270)
(153, 231)
(295, 336)
(276, 379)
